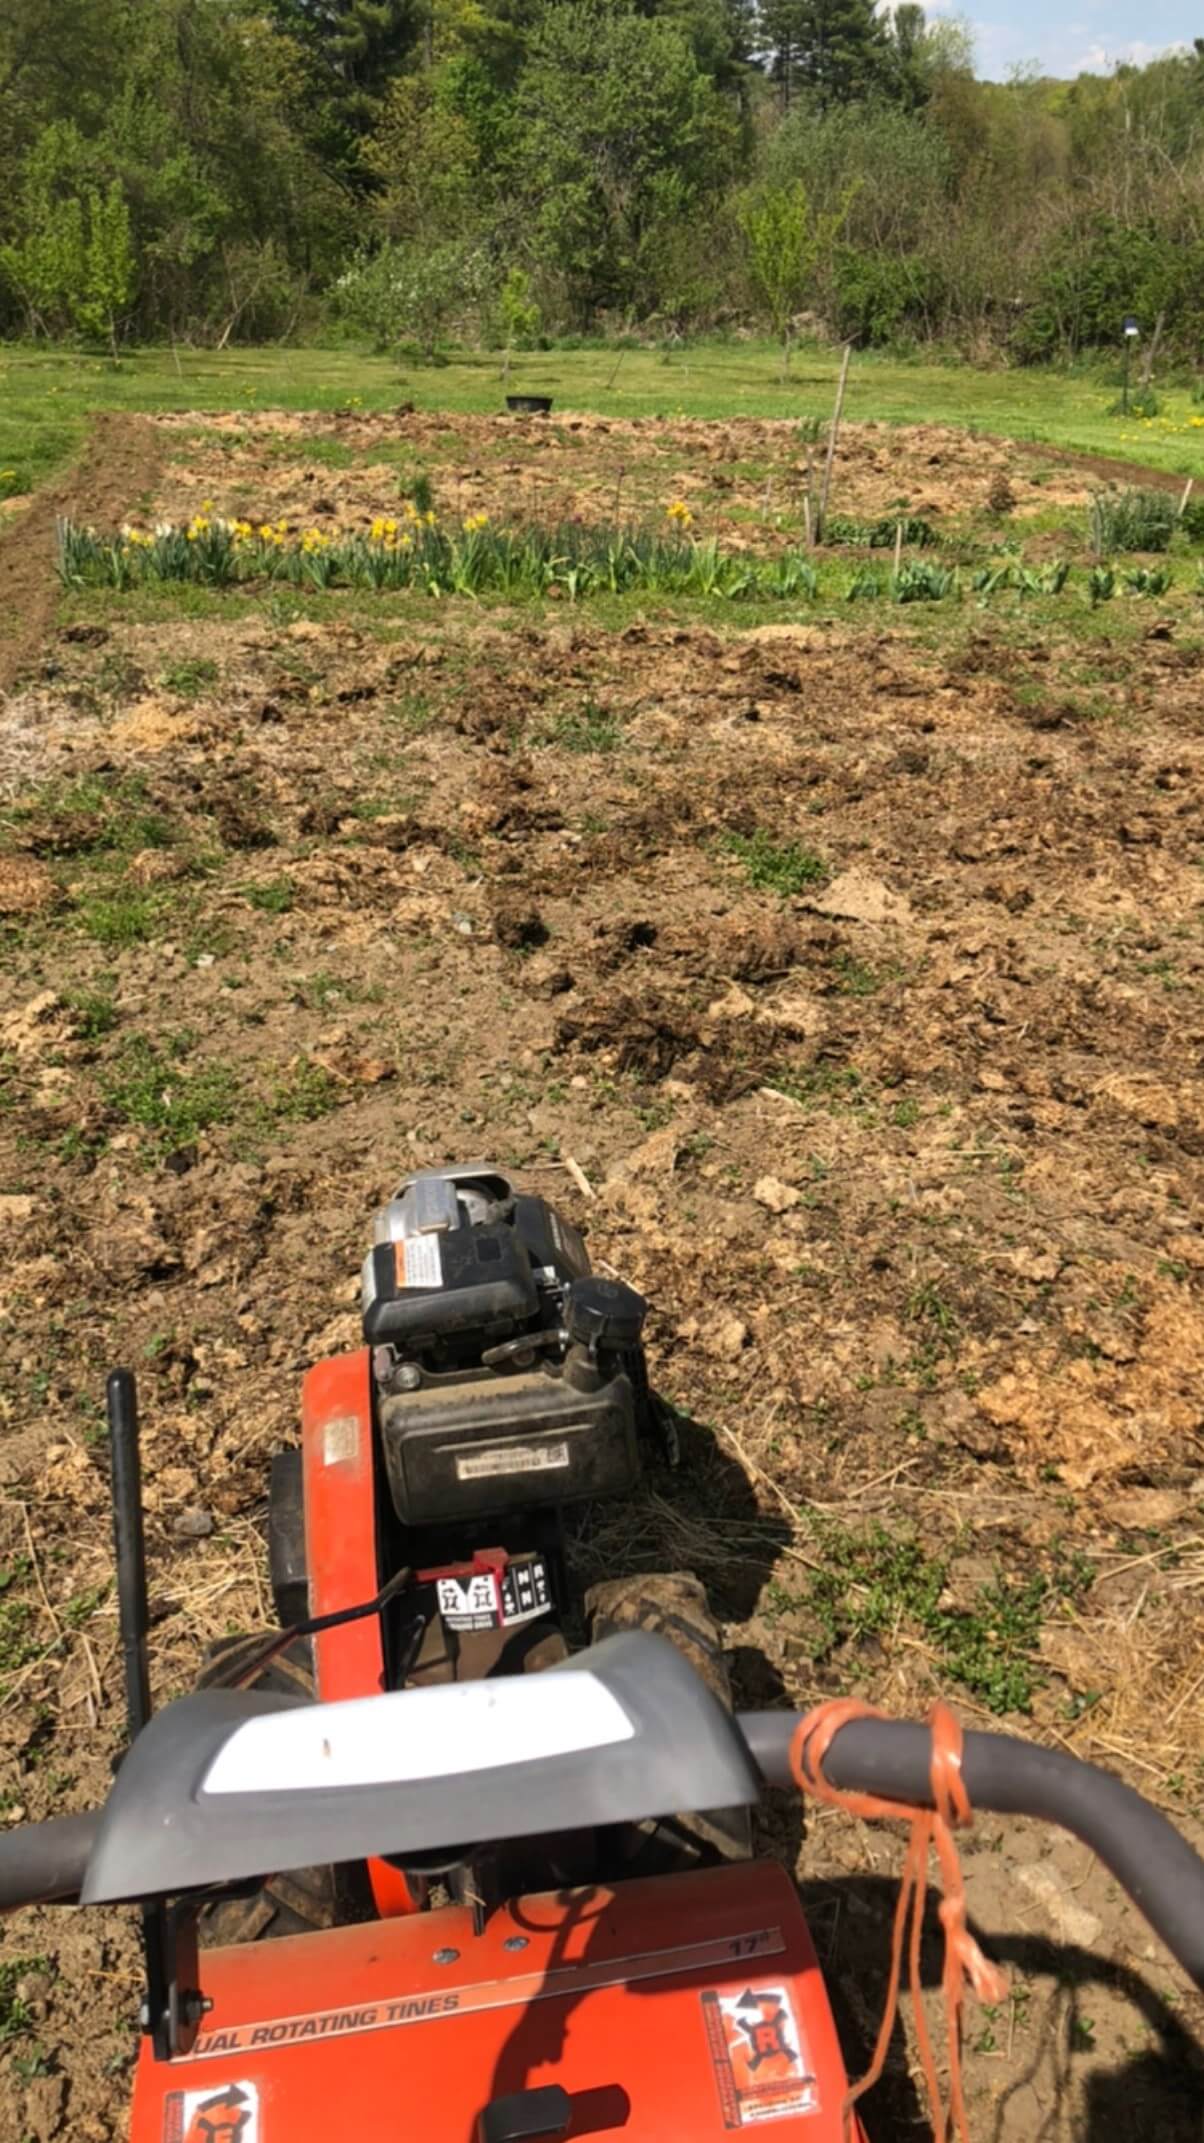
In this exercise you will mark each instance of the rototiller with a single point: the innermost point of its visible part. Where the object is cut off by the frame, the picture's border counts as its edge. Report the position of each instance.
(508, 1887)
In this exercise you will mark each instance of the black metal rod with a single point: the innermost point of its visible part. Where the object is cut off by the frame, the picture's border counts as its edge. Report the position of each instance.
(133, 1620)
(121, 1395)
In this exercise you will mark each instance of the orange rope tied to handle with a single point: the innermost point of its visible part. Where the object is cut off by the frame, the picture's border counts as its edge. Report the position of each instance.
(931, 1828)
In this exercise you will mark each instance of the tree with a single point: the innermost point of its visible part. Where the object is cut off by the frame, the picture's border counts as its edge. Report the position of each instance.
(833, 49)
(423, 159)
(73, 263)
(412, 290)
(784, 240)
(916, 53)
(357, 48)
(518, 315)
(619, 132)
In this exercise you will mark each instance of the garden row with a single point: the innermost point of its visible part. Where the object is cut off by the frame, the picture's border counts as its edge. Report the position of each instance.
(570, 562)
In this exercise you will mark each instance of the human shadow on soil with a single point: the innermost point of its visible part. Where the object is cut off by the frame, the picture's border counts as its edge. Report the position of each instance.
(1154, 2093)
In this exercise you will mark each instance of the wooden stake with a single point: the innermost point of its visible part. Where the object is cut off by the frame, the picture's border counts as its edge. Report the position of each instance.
(1186, 495)
(898, 547)
(822, 515)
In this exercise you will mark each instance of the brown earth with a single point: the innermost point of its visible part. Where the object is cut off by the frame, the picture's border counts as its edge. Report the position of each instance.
(906, 1156)
(115, 474)
(736, 477)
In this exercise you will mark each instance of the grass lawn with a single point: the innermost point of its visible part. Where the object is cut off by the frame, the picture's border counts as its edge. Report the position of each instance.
(47, 396)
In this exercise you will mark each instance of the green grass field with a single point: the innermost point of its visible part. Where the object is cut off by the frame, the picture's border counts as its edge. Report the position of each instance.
(46, 396)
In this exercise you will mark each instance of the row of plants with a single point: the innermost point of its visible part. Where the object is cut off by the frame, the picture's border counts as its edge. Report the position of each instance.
(571, 561)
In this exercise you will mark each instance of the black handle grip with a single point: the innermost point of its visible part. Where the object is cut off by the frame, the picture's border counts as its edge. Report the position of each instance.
(44, 1863)
(1163, 1875)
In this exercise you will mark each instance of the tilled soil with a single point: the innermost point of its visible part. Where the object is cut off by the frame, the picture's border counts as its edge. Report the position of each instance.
(738, 479)
(846, 991)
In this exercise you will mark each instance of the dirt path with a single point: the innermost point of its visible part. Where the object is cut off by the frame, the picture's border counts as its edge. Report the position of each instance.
(1107, 468)
(117, 470)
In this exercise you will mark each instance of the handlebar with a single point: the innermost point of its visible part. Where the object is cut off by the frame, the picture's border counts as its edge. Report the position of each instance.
(45, 1863)
(1137, 1844)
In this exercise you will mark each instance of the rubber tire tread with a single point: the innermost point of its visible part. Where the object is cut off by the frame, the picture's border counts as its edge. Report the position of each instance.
(305, 1900)
(675, 1606)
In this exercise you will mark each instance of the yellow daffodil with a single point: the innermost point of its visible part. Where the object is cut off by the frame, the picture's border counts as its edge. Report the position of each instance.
(475, 522)
(679, 512)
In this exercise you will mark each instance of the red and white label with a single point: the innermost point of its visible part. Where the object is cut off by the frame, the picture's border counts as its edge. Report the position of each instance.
(761, 2061)
(418, 1261)
(225, 2113)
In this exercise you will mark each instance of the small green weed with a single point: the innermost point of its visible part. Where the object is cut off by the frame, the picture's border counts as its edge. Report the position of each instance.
(274, 896)
(871, 1581)
(189, 678)
(94, 1013)
(855, 978)
(590, 729)
(832, 1083)
(15, 2019)
(92, 817)
(771, 866)
(147, 1085)
(17, 1643)
(305, 1092)
(123, 917)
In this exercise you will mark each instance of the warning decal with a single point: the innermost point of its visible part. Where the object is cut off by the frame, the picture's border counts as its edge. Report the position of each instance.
(486, 1600)
(760, 2058)
(225, 2113)
(418, 1261)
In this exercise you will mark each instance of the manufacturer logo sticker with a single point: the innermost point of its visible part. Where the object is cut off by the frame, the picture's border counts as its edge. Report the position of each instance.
(762, 2067)
(225, 2113)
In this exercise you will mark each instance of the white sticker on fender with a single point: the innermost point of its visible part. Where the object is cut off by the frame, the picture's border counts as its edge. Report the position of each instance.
(225, 2113)
(762, 2063)
(418, 1261)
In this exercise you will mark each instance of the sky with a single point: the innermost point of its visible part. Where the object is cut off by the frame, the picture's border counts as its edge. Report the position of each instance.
(1090, 38)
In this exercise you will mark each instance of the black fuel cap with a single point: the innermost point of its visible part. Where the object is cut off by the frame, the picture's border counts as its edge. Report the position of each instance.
(604, 1313)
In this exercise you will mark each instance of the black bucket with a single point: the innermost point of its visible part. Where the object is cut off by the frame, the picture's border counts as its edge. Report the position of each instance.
(529, 405)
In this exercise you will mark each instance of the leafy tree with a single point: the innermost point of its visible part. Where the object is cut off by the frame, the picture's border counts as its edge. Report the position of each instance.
(413, 290)
(518, 315)
(620, 131)
(423, 159)
(73, 264)
(784, 241)
(916, 53)
(357, 47)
